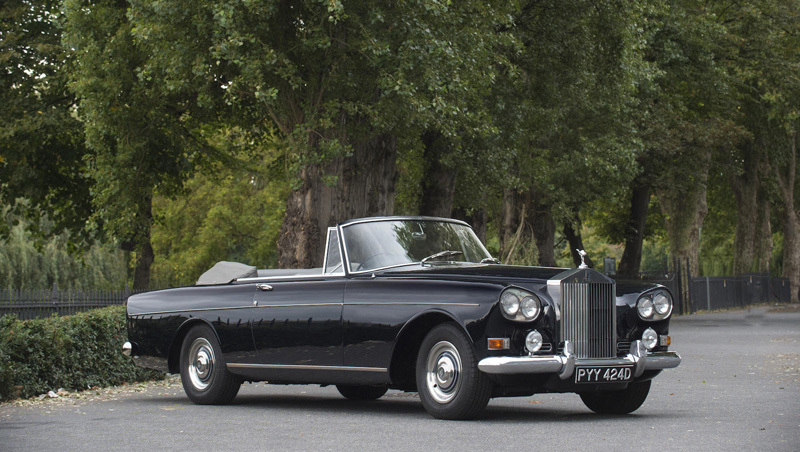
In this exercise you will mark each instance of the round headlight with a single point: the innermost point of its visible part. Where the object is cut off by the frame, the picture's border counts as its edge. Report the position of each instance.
(649, 338)
(646, 308)
(530, 307)
(662, 304)
(510, 303)
(533, 342)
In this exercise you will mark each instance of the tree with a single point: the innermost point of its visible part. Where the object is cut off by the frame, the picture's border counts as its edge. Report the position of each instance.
(762, 57)
(229, 212)
(341, 82)
(143, 136)
(685, 118)
(47, 259)
(41, 140)
(562, 114)
(786, 173)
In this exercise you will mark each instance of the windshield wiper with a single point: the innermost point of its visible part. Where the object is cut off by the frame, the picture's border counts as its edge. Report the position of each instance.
(440, 254)
(490, 260)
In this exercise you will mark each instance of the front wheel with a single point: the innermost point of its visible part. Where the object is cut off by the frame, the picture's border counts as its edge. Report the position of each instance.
(625, 401)
(205, 377)
(448, 380)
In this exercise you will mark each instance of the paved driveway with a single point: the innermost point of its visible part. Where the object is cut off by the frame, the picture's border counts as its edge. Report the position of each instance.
(737, 389)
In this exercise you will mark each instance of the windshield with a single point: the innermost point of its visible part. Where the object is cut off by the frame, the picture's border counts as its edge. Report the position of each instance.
(379, 244)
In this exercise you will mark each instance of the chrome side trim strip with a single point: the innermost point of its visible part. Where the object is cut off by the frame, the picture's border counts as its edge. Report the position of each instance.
(408, 303)
(303, 305)
(305, 367)
(177, 311)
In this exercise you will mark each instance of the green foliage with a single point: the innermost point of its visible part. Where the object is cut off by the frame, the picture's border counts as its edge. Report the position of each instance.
(564, 112)
(327, 75)
(73, 352)
(30, 263)
(231, 213)
(145, 137)
(132, 112)
(41, 139)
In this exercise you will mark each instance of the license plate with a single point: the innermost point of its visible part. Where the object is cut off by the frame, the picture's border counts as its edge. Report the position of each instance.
(603, 374)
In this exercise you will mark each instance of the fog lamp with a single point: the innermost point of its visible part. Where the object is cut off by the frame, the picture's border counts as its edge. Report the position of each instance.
(649, 339)
(533, 342)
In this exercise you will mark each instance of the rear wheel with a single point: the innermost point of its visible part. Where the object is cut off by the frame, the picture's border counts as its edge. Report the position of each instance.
(354, 392)
(625, 401)
(205, 377)
(448, 380)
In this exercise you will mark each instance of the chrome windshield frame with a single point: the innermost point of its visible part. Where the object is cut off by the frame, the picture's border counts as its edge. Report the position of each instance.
(346, 253)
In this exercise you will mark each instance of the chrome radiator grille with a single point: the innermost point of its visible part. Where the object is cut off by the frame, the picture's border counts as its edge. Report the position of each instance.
(588, 318)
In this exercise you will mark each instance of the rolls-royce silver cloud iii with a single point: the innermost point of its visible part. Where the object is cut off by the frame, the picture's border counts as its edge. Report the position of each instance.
(412, 304)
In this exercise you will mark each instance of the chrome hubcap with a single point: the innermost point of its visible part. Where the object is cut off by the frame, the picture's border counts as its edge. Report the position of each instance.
(201, 363)
(443, 372)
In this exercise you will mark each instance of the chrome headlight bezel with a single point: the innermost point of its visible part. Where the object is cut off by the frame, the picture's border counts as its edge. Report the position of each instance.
(655, 305)
(520, 305)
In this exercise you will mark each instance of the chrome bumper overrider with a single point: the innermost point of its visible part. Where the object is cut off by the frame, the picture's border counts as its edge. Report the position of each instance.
(565, 363)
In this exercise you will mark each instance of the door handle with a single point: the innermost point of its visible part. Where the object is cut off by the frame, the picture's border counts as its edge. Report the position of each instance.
(264, 287)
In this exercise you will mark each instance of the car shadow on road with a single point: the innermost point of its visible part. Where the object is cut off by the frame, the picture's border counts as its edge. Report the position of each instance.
(401, 405)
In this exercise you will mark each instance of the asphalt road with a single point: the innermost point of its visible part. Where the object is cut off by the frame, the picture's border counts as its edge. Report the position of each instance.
(738, 388)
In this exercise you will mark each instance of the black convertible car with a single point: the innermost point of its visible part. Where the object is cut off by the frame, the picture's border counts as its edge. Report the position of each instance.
(415, 304)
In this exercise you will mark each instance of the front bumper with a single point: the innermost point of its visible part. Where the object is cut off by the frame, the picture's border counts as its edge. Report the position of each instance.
(565, 363)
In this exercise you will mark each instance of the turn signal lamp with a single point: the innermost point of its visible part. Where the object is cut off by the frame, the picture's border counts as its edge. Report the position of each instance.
(498, 343)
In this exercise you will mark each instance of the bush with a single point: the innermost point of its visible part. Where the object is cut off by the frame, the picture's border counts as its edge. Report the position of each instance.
(73, 352)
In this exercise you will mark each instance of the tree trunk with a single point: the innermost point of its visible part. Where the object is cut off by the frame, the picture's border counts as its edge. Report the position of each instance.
(439, 181)
(791, 221)
(631, 260)
(544, 230)
(143, 248)
(685, 208)
(763, 248)
(477, 219)
(572, 231)
(364, 186)
(510, 224)
(144, 259)
(745, 191)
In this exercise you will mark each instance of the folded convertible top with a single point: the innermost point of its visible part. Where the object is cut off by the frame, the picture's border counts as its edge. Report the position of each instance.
(224, 272)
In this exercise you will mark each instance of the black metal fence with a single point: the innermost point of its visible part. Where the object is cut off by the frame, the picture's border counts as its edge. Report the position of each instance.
(704, 293)
(722, 292)
(31, 304)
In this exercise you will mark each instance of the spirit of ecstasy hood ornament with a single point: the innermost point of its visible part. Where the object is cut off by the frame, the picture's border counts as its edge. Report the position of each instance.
(582, 254)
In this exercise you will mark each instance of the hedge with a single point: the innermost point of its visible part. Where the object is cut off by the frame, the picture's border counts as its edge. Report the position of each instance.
(73, 352)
